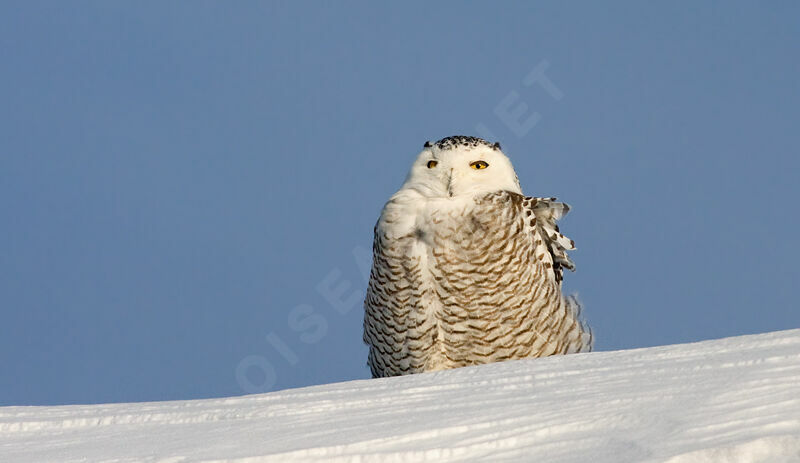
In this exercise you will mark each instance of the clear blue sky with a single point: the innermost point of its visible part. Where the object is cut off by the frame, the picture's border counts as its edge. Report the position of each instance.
(185, 186)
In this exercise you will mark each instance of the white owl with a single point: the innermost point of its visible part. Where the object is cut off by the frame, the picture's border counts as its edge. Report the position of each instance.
(466, 270)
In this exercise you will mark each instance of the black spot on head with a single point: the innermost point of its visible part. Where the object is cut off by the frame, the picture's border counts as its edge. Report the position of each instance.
(496, 145)
(461, 140)
(427, 144)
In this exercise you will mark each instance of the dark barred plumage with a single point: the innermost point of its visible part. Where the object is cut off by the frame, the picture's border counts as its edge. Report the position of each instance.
(480, 283)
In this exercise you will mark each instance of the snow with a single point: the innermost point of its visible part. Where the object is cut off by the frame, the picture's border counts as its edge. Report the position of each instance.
(728, 400)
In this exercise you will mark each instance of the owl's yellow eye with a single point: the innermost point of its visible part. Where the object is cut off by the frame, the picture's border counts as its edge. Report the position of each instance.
(479, 165)
(432, 164)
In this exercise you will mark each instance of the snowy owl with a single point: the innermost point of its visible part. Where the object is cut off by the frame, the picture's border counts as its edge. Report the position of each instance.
(466, 269)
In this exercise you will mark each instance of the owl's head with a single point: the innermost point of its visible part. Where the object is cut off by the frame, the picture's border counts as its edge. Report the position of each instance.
(461, 166)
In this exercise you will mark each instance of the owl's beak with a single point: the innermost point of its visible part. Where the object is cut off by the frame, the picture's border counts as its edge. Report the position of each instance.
(450, 184)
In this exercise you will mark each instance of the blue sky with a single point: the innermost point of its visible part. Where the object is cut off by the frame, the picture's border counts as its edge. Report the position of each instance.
(187, 189)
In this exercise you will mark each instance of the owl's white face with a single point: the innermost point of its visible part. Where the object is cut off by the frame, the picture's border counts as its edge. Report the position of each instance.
(458, 169)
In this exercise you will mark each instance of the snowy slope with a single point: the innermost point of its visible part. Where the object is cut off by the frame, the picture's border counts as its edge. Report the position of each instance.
(729, 400)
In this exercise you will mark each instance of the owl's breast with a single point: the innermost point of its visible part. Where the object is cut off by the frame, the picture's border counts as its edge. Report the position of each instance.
(446, 231)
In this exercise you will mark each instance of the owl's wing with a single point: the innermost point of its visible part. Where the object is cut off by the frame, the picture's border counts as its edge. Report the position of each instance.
(547, 211)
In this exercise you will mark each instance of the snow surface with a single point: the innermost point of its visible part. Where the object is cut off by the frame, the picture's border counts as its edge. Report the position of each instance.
(728, 400)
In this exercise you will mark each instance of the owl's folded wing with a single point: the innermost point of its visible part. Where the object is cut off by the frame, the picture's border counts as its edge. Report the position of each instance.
(547, 212)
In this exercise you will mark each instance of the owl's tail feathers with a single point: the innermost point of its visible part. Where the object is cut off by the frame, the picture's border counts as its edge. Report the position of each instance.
(581, 336)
